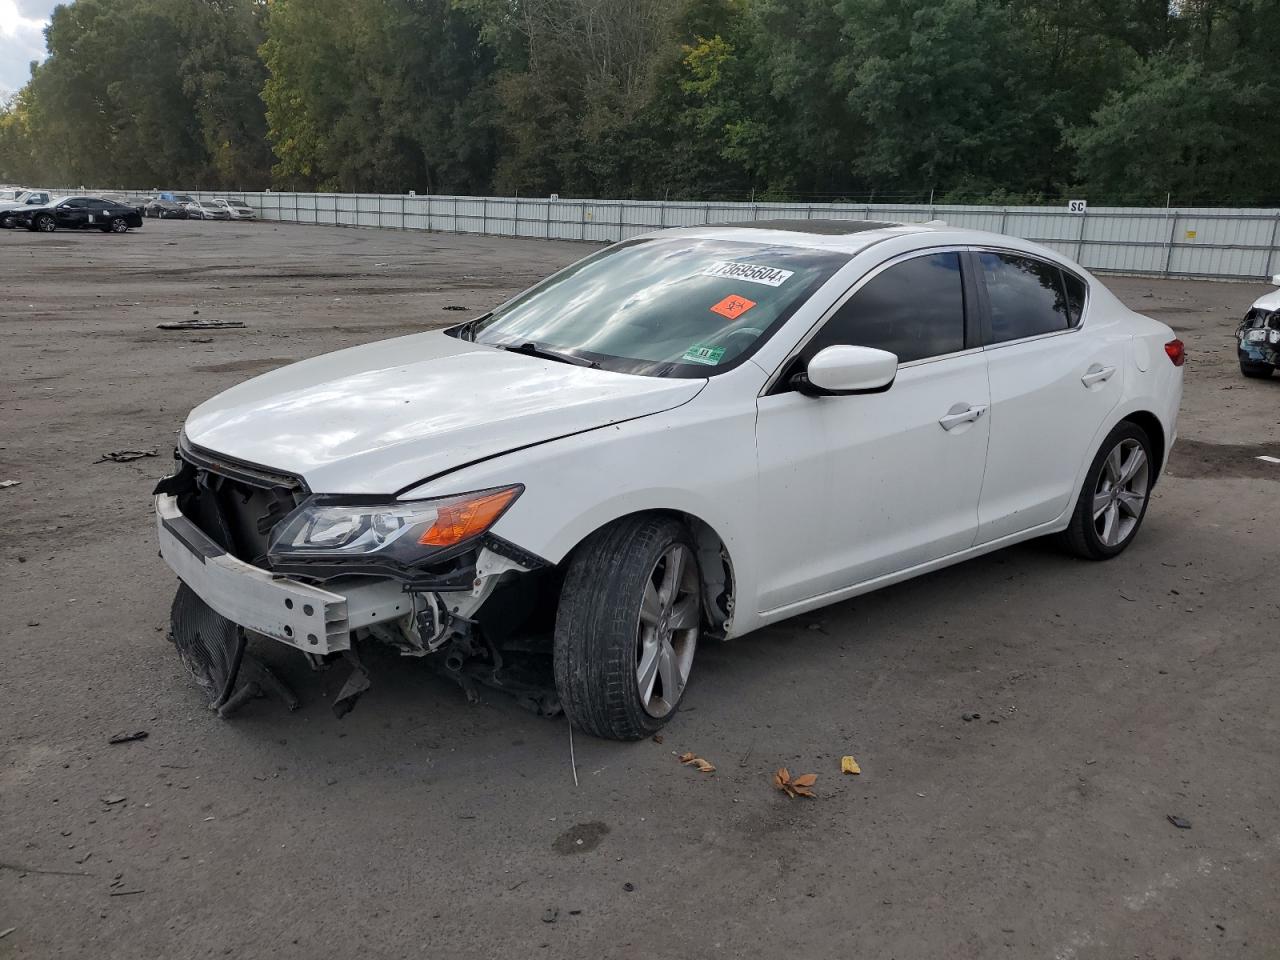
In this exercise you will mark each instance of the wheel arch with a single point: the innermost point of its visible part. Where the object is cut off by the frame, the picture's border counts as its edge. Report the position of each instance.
(1154, 430)
(715, 564)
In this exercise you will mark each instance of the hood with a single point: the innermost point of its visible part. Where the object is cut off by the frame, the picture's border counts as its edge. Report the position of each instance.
(1268, 301)
(382, 417)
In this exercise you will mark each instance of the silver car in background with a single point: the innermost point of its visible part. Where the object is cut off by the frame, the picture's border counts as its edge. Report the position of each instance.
(235, 209)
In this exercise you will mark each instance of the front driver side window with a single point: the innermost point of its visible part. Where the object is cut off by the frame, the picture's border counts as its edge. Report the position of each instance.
(914, 309)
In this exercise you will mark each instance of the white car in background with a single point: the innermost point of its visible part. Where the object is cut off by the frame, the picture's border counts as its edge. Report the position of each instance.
(234, 209)
(688, 435)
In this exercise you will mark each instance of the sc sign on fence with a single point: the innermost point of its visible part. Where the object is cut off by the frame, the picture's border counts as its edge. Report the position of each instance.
(1077, 206)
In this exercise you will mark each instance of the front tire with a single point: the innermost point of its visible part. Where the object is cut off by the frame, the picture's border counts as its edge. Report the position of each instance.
(1258, 371)
(44, 223)
(1114, 498)
(627, 626)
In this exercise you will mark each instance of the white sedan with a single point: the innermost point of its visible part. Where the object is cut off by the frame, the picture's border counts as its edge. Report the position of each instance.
(687, 435)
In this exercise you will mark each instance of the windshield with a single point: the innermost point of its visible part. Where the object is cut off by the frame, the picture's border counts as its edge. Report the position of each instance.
(674, 307)
(183, 198)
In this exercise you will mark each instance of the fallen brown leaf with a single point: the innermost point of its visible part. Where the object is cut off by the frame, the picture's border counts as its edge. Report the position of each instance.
(702, 765)
(801, 786)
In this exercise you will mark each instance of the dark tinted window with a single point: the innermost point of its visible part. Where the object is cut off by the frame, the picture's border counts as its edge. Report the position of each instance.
(1026, 296)
(1075, 296)
(914, 309)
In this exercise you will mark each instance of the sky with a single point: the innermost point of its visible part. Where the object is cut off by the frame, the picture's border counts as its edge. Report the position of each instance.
(22, 24)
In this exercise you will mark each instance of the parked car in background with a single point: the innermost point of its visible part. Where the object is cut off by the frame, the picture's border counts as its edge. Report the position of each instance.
(80, 213)
(236, 209)
(26, 198)
(168, 206)
(205, 210)
(1258, 336)
(686, 436)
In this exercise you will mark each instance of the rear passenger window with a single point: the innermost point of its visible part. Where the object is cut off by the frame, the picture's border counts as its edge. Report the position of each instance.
(914, 309)
(1026, 296)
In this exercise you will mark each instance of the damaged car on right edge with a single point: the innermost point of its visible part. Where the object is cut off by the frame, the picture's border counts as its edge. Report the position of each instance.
(1258, 336)
(684, 437)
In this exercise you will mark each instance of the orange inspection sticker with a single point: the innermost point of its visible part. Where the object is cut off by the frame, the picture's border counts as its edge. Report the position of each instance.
(733, 306)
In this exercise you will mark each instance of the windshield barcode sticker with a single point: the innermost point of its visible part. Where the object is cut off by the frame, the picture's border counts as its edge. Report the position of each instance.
(751, 272)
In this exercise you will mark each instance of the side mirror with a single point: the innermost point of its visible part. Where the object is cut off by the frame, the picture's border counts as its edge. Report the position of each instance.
(843, 370)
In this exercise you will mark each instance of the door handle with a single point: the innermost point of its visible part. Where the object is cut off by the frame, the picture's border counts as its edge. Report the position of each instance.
(961, 413)
(1097, 374)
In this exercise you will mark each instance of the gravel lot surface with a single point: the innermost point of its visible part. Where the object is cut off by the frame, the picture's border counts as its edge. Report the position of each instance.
(1109, 696)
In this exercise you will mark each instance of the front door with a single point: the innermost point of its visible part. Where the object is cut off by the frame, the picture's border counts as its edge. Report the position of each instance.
(856, 487)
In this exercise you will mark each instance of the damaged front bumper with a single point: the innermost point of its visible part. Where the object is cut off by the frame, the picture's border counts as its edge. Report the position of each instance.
(307, 617)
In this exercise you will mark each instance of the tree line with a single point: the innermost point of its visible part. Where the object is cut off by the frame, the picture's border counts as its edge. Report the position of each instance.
(1119, 100)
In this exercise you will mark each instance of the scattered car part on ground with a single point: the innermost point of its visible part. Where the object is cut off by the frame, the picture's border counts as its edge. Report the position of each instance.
(1258, 336)
(125, 456)
(79, 213)
(199, 325)
(591, 472)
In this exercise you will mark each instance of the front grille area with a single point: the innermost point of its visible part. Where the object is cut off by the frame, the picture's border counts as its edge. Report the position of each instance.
(237, 505)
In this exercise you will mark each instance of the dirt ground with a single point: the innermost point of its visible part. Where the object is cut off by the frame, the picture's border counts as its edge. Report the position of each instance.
(1109, 695)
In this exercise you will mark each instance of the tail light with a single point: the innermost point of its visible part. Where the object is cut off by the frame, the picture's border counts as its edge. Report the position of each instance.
(1177, 352)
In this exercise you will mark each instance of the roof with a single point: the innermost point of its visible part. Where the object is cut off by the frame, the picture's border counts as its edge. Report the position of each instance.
(848, 236)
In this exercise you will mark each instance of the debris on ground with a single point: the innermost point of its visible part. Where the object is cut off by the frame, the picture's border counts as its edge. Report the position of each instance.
(199, 325)
(124, 456)
(801, 786)
(9, 483)
(657, 738)
(453, 306)
(550, 915)
(5, 933)
(1182, 823)
(629, 887)
(849, 765)
(128, 737)
(688, 759)
(113, 798)
(970, 716)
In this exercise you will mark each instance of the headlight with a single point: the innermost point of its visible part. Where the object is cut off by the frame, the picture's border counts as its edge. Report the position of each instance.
(402, 533)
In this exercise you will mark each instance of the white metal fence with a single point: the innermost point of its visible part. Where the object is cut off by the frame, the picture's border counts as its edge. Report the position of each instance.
(1184, 242)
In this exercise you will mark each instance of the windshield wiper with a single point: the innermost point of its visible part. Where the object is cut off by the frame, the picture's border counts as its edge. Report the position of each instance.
(531, 349)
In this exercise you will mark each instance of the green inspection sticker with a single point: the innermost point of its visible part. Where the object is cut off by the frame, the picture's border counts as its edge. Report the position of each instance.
(700, 354)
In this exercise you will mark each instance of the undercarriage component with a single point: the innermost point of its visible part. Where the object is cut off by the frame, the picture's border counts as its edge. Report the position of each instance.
(357, 683)
(524, 673)
(213, 650)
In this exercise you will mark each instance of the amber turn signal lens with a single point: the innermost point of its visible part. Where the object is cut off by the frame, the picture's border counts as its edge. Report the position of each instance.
(465, 519)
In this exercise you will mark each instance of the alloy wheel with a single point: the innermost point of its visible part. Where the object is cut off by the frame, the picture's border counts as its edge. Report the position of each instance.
(670, 615)
(1121, 493)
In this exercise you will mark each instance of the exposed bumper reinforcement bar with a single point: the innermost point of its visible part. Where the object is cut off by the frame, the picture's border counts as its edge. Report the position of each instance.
(303, 616)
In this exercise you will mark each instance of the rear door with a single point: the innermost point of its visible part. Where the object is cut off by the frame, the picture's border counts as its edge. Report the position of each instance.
(1054, 380)
(857, 487)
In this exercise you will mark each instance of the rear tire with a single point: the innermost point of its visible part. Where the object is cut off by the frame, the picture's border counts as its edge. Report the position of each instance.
(1113, 500)
(119, 225)
(627, 626)
(1258, 371)
(45, 223)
